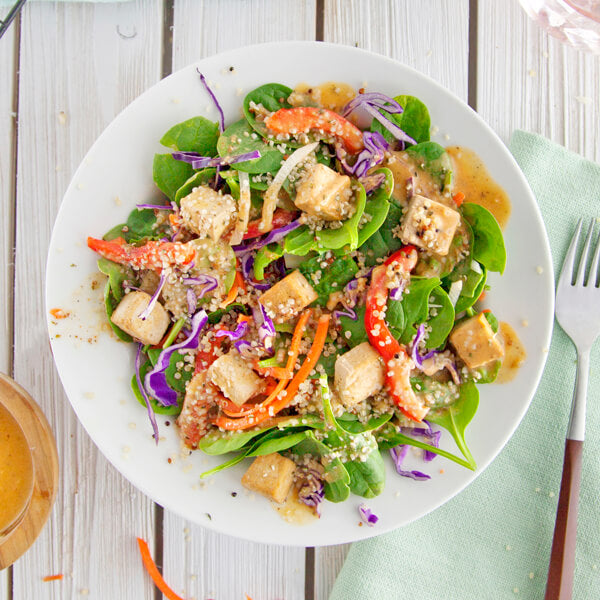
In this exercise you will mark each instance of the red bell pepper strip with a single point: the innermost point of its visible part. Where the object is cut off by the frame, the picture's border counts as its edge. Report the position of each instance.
(281, 217)
(397, 362)
(152, 255)
(303, 119)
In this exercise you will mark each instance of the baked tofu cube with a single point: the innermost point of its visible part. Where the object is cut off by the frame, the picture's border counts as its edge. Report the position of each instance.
(148, 331)
(475, 342)
(325, 194)
(288, 297)
(271, 475)
(234, 377)
(359, 373)
(429, 225)
(208, 213)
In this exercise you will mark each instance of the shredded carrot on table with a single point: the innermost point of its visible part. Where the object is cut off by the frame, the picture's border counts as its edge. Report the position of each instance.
(277, 401)
(458, 198)
(153, 571)
(57, 577)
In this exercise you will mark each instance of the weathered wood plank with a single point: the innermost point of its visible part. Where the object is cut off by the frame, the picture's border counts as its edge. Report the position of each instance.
(80, 64)
(7, 140)
(545, 87)
(198, 562)
(390, 28)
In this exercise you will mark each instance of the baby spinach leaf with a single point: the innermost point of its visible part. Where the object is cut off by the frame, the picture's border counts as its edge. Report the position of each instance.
(350, 423)
(347, 234)
(465, 300)
(395, 317)
(333, 277)
(441, 324)
(115, 232)
(488, 243)
(383, 241)
(194, 135)
(336, 479)
(278, 444)
(141, 225)
(215, 316)
(203, 177)
(415, 302)
(238, 139)
(367, 477)
(272, 96)
(117, 274)
(174, 382)
(414, 120)
(170, 174)
(110, 304)
(456, 417)
(487, 373)
(433, 159)
(299, 242)
(358, 333)
(390, 438)
(377, 206)
(156, 406)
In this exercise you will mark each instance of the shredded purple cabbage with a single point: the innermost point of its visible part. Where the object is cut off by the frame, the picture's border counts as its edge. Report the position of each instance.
(243, 347)
(391, 127)
(247, 263)
(237, 334)
(398, 455)
(432, 437)
(347, 312)
(367, 515)
(312, 490)
(192, 301)
(203, 162)
(146, 312)
(273, 236)
(214, 99)
(142, 389)
(266, 328)
(414, 348)
(156, 380)
(210, 283)
(372, 99)
(372, 182)
(396, 293)
(372, 155)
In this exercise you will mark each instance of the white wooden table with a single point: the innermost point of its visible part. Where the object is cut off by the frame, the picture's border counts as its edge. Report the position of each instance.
(66, 69)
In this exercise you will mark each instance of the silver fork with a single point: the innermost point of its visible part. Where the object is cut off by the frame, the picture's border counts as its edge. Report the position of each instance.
(578, 313)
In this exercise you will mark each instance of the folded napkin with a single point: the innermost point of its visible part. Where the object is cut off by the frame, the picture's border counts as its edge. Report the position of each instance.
(493, 541)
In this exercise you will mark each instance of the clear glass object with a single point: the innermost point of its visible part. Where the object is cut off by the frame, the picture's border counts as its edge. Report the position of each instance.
(575, 22)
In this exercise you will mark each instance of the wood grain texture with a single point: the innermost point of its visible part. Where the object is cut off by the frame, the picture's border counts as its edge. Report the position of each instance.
(198, 562)
(77, 72)
(40, 440)
(390, 28)
(544, 86)
(7, 140)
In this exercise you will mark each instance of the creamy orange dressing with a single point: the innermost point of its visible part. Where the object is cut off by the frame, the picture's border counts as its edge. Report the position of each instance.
(331, 94)
(16, 471)
(471, 177)
(295, 512)
(514, 353)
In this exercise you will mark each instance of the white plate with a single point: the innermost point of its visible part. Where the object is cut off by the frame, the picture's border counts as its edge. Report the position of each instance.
(96, 369)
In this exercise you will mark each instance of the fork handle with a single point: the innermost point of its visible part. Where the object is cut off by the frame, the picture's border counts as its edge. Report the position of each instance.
(562, 558)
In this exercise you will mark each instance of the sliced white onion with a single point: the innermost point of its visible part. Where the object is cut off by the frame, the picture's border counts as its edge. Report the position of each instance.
(454, 291)
(243, 213)
(475, 266)
(270, 198)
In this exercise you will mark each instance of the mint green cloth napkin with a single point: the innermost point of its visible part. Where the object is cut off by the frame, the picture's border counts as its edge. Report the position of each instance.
(493, 541)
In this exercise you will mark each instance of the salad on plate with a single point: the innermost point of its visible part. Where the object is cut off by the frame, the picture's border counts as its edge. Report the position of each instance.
(306, 294)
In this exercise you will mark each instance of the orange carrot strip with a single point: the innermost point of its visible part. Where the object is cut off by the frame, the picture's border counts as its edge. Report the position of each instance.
(486, 310)
(238, 283)
(57, 577)
(458, 198)
(59, 313)
(283, 400)
(153, 571)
